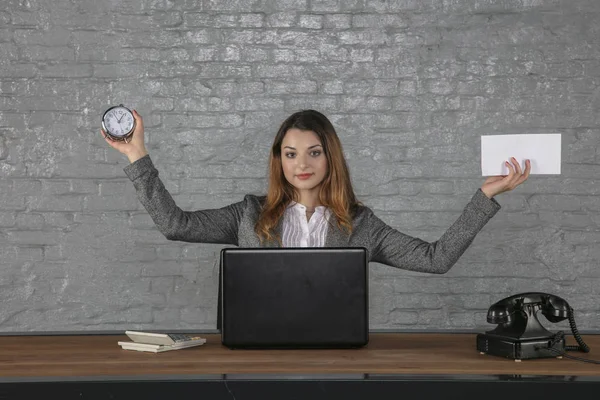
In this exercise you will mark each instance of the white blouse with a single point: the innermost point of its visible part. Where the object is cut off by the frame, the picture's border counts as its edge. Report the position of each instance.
(298, 232)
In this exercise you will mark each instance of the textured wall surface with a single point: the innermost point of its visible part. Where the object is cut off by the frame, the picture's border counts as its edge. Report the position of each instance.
(410, 85)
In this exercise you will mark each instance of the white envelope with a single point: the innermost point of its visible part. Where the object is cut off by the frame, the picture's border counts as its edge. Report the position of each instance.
(544, 151)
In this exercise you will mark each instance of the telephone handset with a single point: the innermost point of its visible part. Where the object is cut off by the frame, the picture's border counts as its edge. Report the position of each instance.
(520, 335)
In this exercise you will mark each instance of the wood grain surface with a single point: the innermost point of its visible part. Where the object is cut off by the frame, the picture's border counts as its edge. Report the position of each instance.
(387, 353)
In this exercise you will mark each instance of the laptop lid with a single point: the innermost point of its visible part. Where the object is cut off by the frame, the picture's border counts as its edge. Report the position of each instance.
(294, 297)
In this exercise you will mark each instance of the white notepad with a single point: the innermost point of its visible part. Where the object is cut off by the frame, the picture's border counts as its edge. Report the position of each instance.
(159, 348)
(159, 342)
(544, 151)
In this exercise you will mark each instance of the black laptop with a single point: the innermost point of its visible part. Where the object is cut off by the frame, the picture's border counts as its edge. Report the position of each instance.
(294, 298)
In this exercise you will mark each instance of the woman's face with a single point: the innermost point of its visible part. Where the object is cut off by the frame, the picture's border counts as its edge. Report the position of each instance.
(303, 160)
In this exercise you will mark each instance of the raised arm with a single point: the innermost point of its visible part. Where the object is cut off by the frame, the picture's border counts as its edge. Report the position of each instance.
(396, 249)
(204, 226)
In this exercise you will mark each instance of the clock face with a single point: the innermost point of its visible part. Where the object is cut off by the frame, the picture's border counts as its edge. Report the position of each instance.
(118, 121)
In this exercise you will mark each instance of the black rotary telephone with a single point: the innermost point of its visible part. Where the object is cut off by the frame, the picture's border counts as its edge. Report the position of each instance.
(519, 334)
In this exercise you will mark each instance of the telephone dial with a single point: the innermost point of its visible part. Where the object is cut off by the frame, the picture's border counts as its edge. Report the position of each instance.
(520, 335)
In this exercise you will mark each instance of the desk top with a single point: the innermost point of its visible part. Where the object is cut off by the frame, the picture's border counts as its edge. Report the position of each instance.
(97, 356)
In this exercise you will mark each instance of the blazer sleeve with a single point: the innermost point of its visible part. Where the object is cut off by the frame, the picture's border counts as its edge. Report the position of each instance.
(203, 226)
(396, 249)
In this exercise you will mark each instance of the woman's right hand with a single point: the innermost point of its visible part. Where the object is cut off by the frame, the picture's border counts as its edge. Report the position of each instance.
(135, 149)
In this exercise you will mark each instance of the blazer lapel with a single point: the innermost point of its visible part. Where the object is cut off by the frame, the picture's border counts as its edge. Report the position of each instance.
(335, 237)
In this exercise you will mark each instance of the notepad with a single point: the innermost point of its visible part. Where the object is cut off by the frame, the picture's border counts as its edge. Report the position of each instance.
(544, 151)
(159, 342)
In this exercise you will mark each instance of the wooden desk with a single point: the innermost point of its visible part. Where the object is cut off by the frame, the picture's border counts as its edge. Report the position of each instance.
(389, 357)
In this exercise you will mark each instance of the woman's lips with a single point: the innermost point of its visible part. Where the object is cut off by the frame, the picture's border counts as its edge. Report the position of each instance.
(304, 176)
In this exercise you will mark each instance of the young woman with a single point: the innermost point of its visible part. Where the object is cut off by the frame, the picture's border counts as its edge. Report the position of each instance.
(310, 203)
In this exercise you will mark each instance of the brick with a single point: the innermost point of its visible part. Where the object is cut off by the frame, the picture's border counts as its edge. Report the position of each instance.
(337, 21)
(18, 70)
(365, 104)
(257, 104)
(307, 56)
(352, 5)
(29, 254)
(204, 54)
(62, 220)
(257, 119)
(5, 17)
(165, 71)
(47, 103)
(219, 104)
(245, 88)
(285, 5)
(166, 316)
(210, 20)
(6, 35)
(168, 18)
(281, 71)
(174, 55)
(28, 238)
(379, 21)
(325, 5)
(102, 71)
(399, 317)
(12, 87)
(361, 55)
(54, 36)
(11, 201)
(276, 87)
(165, 38)
(44, 53)
(370, 38)
(230, 54)
(4, 151)
(255, 54)
(229, 5)
(191, 316)
(7, 219)
(225, 71)
(576, 220)
(140, 55)
(254, 20)
(224, 88)
(230, 120)
(553, 202)
(29, 221)
(250, 36)
(322, 103)
(281, 20)
(332, 87)
(310, 21)
(419, 301)
(284, 55)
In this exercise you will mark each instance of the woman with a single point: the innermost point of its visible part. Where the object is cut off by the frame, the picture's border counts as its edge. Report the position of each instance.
(310, 203)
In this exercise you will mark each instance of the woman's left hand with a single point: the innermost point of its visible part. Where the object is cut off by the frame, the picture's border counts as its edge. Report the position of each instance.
(503, 183)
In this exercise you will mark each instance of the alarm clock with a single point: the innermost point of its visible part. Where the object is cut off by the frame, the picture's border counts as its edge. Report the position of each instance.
(118, 123)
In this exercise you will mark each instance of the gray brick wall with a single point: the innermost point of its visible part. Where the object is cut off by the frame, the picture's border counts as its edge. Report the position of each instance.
(409, 84)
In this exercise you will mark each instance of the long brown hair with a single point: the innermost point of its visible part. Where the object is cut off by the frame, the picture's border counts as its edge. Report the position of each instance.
(336, 190)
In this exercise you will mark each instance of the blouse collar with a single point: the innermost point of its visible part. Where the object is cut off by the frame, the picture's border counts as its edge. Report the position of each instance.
(301, 208)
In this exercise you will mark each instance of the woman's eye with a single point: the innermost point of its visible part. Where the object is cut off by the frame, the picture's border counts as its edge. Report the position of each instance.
(290, 155)
(315, 153)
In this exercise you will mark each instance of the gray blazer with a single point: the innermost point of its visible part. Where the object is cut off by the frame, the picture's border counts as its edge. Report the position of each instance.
(234, 224)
